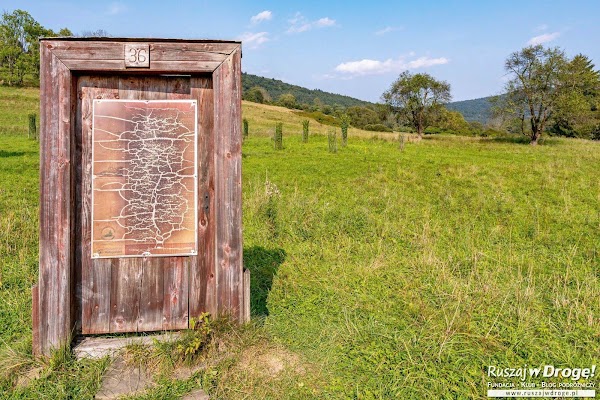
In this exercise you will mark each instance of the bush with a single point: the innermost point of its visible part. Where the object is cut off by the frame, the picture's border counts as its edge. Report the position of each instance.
(377, 128)
(320, 117)
(287, 100)
(360, 117)
(257, 94)
(433, 130)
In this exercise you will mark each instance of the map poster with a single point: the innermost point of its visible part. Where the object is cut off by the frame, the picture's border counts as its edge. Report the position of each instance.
(144, 178)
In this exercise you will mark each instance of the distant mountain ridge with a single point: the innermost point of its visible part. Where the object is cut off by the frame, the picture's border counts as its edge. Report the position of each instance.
(475, 110)
(276, 88)
(478, 110)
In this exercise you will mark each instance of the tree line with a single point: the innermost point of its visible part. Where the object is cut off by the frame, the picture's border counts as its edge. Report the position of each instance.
(20, 49)
(272, 89)
(546, 93)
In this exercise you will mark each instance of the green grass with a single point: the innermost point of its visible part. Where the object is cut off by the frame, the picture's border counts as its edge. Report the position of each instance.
(16, 104)
(409, 272)
(375, 273)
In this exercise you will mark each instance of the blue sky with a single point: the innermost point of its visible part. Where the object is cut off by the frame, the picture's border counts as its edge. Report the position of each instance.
(350, 47)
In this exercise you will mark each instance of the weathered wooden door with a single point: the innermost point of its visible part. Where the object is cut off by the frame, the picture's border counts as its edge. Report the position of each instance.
(90, 287)
(131, 294)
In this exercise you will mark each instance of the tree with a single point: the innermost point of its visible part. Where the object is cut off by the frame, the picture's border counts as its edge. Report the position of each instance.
(317, 104)
(417, 97)
(19, 46)
(65, 32)
(536, 85)
(576, 111)
(15, 44)
(287, 100)
(452, 121)
(361, 116)
(257, 94)
(546, 89)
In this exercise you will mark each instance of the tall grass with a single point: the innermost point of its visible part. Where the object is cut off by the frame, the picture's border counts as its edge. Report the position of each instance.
(380, 274)
(407, 274)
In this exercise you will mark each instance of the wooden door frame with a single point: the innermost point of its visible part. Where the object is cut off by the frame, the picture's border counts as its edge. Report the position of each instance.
(219, 217)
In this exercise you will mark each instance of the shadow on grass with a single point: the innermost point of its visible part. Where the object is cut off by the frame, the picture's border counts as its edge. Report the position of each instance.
(6, 154)
(525, 140)
(511, 139)
(263, 265)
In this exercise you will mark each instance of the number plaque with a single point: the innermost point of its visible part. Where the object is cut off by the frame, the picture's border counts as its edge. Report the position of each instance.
(137, 55)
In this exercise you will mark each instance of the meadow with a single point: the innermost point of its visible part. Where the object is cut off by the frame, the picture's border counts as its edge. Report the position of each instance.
(376, 273)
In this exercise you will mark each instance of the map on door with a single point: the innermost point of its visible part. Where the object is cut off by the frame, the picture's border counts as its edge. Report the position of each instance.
(144, 178)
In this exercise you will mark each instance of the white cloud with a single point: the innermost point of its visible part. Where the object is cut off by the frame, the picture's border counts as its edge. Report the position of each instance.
(541, 28)
(323, 22)
(424, 62)
(543, 38)
(254, 39)
(115, 8)
(261, 16)
(300, 24)
(376, 67)
(385, 30)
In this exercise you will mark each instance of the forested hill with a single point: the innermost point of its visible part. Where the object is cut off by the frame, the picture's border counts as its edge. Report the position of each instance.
(478, 110)
(276, 88)
(472, 110)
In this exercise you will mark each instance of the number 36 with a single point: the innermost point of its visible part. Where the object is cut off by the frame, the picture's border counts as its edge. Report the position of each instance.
(137, 55)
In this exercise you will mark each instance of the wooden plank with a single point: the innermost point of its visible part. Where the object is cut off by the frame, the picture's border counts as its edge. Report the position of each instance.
(55, 273)
(94, 276)
(203, 275)
(188, 52)
(155, 66)
(96, 65)
(152, 88)
(45, 154)
(228, 195)
(95, 296)
(137, 39)
(225, 48)
(175, 296)
(176, 272)
(125, 294)
(178, 88)
(160, 51)
(150, 312)
(184, 66)
(126, 274)
(48, 178)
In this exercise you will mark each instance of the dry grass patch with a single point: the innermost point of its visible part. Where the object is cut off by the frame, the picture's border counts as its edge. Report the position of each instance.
(268, 361)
